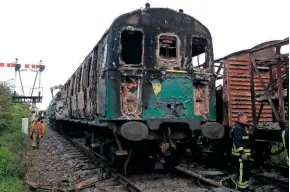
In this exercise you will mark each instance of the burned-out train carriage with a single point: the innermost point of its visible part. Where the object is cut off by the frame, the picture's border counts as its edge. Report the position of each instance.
(147, 86)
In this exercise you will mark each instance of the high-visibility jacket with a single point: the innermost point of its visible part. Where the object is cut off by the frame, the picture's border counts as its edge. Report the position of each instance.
(40, 128)
(241, 142)
(285, 139)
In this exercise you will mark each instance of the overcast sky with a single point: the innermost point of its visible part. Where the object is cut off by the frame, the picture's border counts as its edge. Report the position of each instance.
(63, 32)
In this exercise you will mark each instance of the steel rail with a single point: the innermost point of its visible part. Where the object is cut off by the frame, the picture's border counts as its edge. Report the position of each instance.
(99, 160)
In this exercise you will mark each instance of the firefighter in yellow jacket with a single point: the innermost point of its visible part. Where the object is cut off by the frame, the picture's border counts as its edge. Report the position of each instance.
(36, 132)
(241, 151)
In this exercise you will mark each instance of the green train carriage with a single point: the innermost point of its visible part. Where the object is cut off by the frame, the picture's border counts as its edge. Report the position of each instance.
(145, 88)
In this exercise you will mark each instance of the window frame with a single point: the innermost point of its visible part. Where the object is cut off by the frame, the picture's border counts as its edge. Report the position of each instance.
(177, 47)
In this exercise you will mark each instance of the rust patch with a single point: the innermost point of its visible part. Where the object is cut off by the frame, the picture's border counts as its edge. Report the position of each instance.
(130, 97)
(200, 100)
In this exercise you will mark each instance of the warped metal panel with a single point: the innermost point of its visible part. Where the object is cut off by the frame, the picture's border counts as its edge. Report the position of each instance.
(237, 92)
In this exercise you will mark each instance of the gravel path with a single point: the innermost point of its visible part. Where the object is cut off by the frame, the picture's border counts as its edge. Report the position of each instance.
(57, 160)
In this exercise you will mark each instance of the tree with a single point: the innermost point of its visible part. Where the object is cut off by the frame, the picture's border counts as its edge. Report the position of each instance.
(9, 112)
(5, 106)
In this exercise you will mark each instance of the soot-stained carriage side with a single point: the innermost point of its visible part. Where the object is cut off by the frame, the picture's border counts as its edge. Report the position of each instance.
(146, 87)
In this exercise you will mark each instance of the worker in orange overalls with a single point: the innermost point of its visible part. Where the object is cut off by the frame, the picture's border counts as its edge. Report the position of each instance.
(36, 132)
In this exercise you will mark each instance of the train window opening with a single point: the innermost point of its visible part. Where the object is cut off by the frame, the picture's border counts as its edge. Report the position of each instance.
(284, 49)
(132, 48)
(167, 47)
(198, 50)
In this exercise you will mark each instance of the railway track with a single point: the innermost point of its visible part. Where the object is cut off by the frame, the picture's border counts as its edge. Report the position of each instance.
(98, 161)
(261, 180)
(184, 179)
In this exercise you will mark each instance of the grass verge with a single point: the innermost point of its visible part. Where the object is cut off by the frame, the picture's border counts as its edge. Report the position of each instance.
(13, 145)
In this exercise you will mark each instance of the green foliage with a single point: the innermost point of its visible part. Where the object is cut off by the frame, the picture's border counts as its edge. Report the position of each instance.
(10, 113)
(7, 170)
(12, 185)
(13, 145)
(16, 143)
(13, 142)
(5, 106)
(281, 157)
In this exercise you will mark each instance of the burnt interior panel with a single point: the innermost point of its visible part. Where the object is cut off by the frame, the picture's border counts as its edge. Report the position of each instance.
(201, 105)
(132, 48)
(129, 96)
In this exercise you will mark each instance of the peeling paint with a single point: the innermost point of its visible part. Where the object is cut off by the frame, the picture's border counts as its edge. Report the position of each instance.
(130, 97)
(201, 104)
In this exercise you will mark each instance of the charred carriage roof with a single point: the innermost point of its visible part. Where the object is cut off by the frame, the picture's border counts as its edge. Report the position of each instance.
(161, 19)
(154, 23)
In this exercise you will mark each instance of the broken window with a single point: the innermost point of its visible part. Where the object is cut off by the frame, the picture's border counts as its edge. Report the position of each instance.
(132, 48)
(285, 49)
(198, 49)
(168, 46)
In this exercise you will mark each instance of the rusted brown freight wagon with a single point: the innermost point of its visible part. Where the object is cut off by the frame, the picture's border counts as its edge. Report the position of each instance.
(255, 81)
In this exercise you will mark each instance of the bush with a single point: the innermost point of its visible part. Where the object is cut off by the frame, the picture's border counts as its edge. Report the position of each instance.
(16, 143)
(10, 113)
(5, 106)
(281, 157)
(13, 142)
(7, 169)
